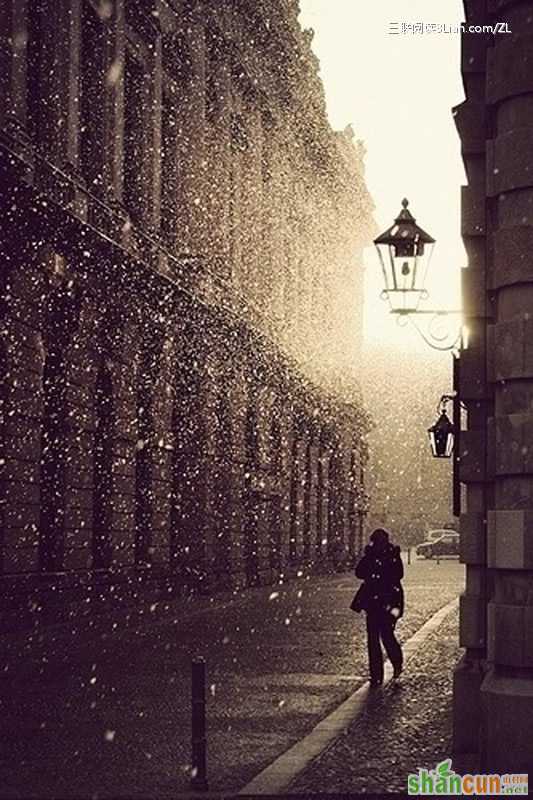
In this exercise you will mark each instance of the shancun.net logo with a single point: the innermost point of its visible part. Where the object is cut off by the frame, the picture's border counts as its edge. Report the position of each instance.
(443, 780)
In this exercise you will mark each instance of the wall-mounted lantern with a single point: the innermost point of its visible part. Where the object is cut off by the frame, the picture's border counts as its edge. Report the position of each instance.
(442, 433)
(404, 252)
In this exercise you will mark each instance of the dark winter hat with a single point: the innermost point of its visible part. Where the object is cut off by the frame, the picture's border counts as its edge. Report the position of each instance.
(379, 537)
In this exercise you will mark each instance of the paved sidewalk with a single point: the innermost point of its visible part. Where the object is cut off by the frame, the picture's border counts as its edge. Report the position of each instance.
(402, 727)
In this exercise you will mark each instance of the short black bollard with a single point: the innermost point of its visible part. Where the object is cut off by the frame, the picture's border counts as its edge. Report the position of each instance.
(199, 744)
(408, 555)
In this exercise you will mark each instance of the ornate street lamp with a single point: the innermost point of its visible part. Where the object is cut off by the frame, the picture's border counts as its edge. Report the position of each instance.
(404, 252)
(442, 433)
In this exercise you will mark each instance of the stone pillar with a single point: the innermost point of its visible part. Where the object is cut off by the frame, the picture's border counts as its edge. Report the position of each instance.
(148, 361)
(323, 528)
(300, 266)
(311, 491)
(276, 228)
(291, 293)
(111, 353)
(235, 197)
(476, 395)
(252, 548)
(276, 477)
(162, 449)
(113, 105)
(141, 118)
(266, 271)
(223, 489)
(191, 173)
(14, 34)
(298, 490)
(155, 445)
(53, 61)
(21, 354)
(337, 540)
(219, 148)
(245, 178)
(154, 133)
(496, 384)
(65, 471)
(251, 198)
(302, 495)
(354, 499)
(235, 467)
(507, 690)
(285, 477)
(123, 377)
(77, 449)
(189, 500)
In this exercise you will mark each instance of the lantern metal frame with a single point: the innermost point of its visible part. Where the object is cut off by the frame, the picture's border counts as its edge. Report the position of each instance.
(404, 290)
(442, 433)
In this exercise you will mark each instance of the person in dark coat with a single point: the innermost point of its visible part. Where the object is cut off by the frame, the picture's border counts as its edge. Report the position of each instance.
(381, 596)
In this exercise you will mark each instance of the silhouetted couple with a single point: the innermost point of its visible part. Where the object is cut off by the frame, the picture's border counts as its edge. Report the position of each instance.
(381, 596)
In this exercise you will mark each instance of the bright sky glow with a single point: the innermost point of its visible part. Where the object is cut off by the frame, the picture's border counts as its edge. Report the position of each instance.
(398, 92)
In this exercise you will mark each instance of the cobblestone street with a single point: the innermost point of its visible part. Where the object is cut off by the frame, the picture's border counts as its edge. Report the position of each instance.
(108, 713)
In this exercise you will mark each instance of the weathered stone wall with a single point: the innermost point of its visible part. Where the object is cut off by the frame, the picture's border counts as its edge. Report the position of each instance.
(494, 682)
(179, 229)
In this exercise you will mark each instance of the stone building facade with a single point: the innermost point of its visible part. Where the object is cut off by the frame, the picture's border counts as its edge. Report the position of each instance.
(181, 231)
(494, 681)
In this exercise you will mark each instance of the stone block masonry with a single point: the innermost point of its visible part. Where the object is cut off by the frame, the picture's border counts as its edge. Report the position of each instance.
(178, 376)
(493, 707)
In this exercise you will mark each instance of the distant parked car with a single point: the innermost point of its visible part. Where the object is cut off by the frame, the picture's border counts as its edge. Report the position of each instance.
(439, 543)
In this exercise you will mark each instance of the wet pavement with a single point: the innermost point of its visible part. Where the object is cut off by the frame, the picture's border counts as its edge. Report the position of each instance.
(107, 713)
(403, 727)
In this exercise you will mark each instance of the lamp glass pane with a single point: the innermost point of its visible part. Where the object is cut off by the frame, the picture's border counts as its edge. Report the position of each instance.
(385, 261)
(449, 444)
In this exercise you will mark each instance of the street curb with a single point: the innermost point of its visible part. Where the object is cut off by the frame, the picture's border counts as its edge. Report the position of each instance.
(277, 776)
